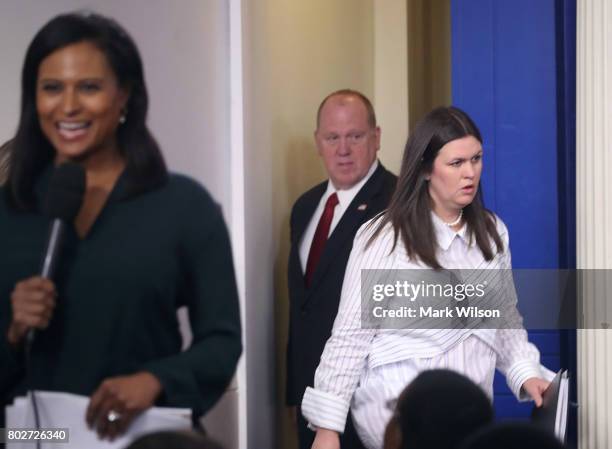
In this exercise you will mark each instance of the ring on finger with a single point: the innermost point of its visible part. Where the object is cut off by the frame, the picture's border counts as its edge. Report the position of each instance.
(113, 416)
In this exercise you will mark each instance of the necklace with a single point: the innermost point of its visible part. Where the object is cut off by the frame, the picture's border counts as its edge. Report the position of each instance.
(456, 221)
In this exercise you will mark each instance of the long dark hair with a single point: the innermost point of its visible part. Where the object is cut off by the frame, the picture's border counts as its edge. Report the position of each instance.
(5, 156)
(32, 152)
(409, 211)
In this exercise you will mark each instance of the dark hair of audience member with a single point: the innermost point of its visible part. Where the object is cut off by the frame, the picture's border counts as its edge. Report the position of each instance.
(393, 437)
(32, 152)
(409, 211)
(439, 409)
(170, 439)
(512, 436)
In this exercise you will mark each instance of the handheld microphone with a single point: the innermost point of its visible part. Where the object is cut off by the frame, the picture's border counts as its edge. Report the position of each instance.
(62, 204)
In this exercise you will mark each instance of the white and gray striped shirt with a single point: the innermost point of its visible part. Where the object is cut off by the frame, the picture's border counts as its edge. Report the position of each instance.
(372, 366)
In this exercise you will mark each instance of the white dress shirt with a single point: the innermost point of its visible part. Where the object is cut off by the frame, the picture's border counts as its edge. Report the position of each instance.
(345, 198)
(372, 366)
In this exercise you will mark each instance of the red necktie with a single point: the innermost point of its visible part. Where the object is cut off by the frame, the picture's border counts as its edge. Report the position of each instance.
(320, 237)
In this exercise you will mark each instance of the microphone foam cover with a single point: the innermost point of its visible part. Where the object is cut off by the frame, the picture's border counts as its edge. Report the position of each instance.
(66, 190)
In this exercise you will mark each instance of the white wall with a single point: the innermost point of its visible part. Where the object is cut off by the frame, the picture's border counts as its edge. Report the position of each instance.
(391, 78)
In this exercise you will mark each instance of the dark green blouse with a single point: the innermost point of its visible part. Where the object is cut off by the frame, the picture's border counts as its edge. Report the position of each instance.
(118, 291)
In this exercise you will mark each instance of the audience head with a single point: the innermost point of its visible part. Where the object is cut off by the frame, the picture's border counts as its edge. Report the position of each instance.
(347, 137)
(170, 439)
(439, 409)
(512, 436)
(393, 436)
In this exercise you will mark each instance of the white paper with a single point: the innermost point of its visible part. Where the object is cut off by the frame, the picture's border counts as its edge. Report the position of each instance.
(562, 403)
(65, 410)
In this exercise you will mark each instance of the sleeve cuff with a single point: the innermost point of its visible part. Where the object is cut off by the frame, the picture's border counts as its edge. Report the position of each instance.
(325, 410)
(174, 388)
(520, 372)
(12, 363)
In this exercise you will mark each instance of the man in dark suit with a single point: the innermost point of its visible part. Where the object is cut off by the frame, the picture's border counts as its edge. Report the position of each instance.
(324, 221)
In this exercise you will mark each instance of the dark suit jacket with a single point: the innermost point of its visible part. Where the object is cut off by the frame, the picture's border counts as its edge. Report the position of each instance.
(313, 310)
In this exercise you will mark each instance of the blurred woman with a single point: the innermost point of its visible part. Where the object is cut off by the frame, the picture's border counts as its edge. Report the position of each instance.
(435, 220)
(144, 242)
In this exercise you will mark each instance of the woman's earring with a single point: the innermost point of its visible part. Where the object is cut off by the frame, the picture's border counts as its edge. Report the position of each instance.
(123, 116)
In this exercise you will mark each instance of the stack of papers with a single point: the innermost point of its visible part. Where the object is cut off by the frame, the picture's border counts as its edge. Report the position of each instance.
(552, 415)
(67, 411)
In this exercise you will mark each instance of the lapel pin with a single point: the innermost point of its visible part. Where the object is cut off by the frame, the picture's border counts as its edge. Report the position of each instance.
(362, 207)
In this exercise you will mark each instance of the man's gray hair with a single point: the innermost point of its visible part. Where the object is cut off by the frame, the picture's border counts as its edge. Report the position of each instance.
(352, 93)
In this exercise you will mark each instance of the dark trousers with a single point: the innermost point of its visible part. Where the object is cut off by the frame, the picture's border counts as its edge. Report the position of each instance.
(348, 440)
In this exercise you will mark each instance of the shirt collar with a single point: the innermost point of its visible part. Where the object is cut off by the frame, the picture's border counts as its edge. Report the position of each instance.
(445, 234)
(346, 196)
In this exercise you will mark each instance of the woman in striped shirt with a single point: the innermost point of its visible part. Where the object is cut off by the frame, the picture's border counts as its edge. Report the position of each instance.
(435, 220)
